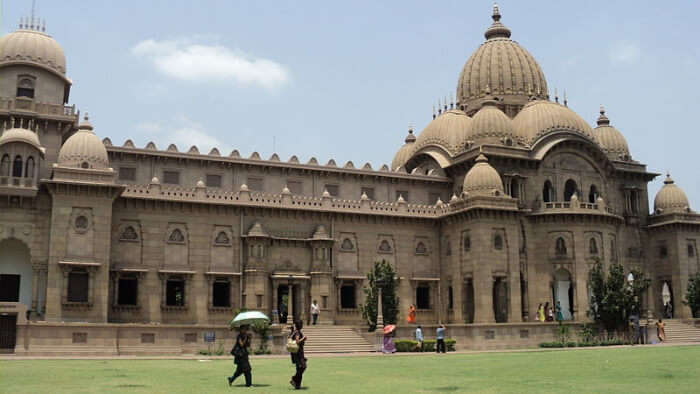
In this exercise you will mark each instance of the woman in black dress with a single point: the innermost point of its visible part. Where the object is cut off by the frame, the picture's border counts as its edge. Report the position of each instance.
(298, 358)
(240, 352)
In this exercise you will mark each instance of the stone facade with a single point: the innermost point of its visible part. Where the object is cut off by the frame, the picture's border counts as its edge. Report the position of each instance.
(503, 202)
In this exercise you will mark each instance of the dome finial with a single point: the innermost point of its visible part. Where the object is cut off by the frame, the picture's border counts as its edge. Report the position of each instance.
(602, 119)
(410, 138)
(497, 29)
(668, 180)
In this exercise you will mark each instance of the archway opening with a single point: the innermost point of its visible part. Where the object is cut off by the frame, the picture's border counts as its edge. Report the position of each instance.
(593, 194)
(15, 272)
(563, 293)
(570, 188)
(547, 192)
(500, 300)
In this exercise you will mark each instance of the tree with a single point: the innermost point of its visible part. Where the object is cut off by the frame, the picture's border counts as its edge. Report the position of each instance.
(383, 272)
(692, 297)
(613, 298)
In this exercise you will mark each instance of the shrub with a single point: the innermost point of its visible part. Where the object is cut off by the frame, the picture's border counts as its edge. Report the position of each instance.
(551, 344)
(429, 345)
(406, 345)
(451, 344)
(382, 272)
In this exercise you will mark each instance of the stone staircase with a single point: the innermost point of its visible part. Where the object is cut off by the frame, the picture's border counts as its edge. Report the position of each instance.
(335, 339)
(679, 332)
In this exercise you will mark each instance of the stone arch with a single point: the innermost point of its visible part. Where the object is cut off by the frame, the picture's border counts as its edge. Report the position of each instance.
(16, 280)
(548, 191)
(570, 189)
(562, 293)
(17, 165)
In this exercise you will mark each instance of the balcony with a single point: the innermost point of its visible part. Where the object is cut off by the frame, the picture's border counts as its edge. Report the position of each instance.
(22, 105)
(575, 207)
(17, 186)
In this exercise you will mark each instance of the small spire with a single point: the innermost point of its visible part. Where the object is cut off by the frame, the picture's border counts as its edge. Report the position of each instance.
(497, 30)
(439, 107)
(434, 111)
(445, 104)
(602, 119)
(556, 96)
(566, 102)
(496, 13)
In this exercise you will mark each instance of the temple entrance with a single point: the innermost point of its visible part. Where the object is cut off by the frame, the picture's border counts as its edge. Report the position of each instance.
(15, 272)
(563, 293)
(8, 333)
(667, 300)
(283, 301)
(500, 300)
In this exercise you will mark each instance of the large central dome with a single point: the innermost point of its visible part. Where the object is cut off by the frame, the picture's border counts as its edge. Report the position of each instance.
(500, 68)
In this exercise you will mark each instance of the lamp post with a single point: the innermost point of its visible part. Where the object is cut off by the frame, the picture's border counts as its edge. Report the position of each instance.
(380, 316)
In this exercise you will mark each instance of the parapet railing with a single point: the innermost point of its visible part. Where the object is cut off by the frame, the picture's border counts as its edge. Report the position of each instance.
(29, 105)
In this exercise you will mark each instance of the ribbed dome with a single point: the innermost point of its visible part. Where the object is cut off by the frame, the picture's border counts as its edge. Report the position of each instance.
(83, 149)
(540, 117)
(490, 123)
(502, 68)
(671, 198)
(449, 130)
(610, 139)
(482, 179)
(21, 135)
(404, 152)
(26, 46)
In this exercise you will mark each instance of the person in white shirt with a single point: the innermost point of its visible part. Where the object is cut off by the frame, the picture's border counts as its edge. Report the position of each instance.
(315, 311)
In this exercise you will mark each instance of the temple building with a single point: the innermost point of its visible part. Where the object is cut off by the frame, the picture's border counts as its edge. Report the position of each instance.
(504, 201)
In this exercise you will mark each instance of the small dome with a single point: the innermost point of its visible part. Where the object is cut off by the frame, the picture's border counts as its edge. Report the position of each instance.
(482, 179)
(501, 67)
(28, 46)
(448, 130)
(540, 117)
(490, 123)
(671, 198)
(83, 149)
(404, 153)
(21, 135)
(610, 139)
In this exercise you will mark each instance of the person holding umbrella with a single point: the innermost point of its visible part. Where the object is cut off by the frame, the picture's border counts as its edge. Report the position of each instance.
(388, 345)
(240, 352)
(241, 349)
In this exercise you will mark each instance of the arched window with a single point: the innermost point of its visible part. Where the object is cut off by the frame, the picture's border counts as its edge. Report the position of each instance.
(593, 194)
(467, 245)
(547, 192)
(514, 188)
(17, 167)
(592, 246)
(25, 88)
(5, 166)
(85, 165)
(634, 201)
(29, 168)
(560, 247)
(569, 189)
(498, 242)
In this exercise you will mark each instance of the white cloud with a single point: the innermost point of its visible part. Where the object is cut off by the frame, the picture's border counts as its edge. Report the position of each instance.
(625, 53)
(188, 61)
(182, 132)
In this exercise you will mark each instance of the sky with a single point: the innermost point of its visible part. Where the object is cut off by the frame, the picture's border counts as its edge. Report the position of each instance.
(344, 80)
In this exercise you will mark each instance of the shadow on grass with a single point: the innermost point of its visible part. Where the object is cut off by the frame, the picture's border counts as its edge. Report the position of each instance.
(446, 388)
(254, 385)
(130, 386)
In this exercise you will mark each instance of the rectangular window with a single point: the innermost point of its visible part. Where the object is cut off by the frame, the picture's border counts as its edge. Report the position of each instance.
(255, 184)
(213, 180)
(423, 297)
(148, 338)
(190, 337)
(222, 294)
(259, 298)
(79, 337)
(324, 302)
(333, 190)
(128, 291)
(9, 288)
(433, 198)
(171, 177)
(347, 297)
(369, 191)
(295, 187)
(450, 298)
(402, 193)
(127, 173)
(78, 286)
(175, 292)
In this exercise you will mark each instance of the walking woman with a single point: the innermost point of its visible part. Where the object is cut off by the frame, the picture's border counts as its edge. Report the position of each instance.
(240, 352)
(411, 319)
(540, 313)
(298, 358)
(661, 330)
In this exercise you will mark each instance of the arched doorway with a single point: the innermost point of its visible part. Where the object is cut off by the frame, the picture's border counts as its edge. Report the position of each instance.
(667, 300)
(563, 293)
(500, 300)
(15, 272)
(570, 188)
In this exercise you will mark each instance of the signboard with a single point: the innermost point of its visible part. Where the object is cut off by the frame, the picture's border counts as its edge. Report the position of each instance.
(209, 336)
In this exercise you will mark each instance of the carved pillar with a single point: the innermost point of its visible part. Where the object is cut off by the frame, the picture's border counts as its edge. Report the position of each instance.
(91, 285)
(64, 288)
(290, 292)
(275, 301)
(303, 294)
(36, 271)
(45, 277)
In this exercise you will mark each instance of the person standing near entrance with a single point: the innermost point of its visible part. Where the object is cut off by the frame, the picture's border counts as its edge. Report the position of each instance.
(315, 311)
(559, 314)
(440, 336)
(298, 358)
(240, 352)
(540, 313)
(419, 337)
(411, 319)
(661, 330)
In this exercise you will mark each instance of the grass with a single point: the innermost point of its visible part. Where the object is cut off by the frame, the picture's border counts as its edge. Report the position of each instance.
(636, 369)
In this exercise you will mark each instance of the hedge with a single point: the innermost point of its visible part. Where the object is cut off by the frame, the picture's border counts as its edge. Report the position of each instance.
(409, 345)
(607, 342)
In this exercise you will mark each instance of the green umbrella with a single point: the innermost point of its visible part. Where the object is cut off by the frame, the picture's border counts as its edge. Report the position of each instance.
(247, 318)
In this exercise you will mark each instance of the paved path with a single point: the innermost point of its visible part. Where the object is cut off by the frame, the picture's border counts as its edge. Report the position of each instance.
(6, 357)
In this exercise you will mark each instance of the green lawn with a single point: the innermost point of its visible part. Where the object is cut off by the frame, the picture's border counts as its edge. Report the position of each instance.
(637, 369)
